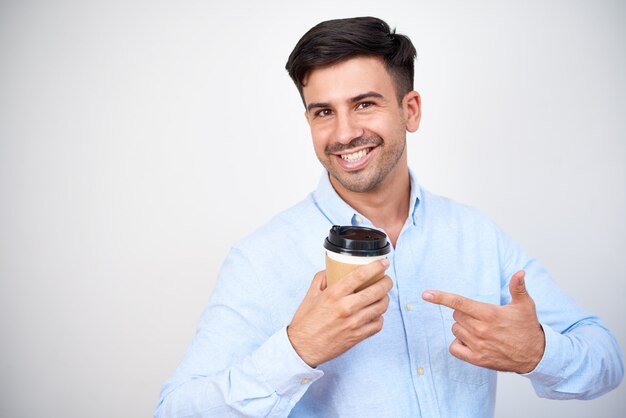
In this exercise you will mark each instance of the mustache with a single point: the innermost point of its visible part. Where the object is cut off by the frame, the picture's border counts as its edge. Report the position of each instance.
(338, 148)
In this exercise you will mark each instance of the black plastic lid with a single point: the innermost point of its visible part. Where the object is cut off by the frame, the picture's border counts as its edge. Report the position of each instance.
(357, 240)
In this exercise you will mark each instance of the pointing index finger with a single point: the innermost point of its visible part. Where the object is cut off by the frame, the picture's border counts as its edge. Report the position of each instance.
(457, 302)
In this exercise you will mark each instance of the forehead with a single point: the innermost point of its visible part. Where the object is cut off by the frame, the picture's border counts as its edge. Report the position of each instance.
(347, 79)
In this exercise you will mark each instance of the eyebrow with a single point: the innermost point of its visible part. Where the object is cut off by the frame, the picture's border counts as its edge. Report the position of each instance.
(357, 98)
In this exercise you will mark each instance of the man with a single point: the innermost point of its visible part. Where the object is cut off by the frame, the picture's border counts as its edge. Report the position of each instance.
(427, 339)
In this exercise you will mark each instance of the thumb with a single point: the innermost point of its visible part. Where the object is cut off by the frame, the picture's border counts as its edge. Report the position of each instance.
(318, 284)
(517, 288)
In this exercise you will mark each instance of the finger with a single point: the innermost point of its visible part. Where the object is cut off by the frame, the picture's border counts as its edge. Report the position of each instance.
(361, 275)
(372, 293)
(457, 302)
(517, 288)
(318, 284)
(471, 324)
(371, 312)
(371, 328)
(323, 282)
(461, 317)
(461, 351)
(462, 334)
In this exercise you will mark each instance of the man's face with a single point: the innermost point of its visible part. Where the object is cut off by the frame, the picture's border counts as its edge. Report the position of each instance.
(358, 126)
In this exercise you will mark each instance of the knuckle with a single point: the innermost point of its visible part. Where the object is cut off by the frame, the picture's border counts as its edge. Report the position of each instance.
(481, 330)
(359, 274)
(361, 335)
(333, 293)
(480, 358)
(344, 310)
(379, 324)
(489, 312)
(364, 297)
(457, 330)
(353, 323)
(457, 302)
(484, 350)
(374, 327)
(353, 339)
(373, 293)
(490, 316)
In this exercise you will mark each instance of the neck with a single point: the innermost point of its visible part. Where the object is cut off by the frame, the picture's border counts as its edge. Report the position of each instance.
(387, 205)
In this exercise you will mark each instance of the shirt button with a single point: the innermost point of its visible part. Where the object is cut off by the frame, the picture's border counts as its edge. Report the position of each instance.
(358, 219)
(305, 380)
(409, 306)
(420, 371)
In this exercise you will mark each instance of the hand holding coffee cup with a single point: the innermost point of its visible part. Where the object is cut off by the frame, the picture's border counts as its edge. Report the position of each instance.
(335, 315)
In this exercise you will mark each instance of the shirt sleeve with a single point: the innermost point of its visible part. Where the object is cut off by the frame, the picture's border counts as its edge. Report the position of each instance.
(582, 359)
(238, 363)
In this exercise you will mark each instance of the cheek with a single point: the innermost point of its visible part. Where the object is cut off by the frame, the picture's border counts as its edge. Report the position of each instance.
(320, 140)
(394, 128)
(382, 124)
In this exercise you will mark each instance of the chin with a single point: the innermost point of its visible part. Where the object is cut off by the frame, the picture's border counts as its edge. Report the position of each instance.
(358, 185)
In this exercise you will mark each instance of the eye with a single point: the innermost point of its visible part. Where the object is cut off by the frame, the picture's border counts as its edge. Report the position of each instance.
(323, 113)
(364, 105)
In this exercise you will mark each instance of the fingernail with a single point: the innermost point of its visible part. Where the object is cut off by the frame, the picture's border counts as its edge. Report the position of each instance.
(385, 262)
(428, 296)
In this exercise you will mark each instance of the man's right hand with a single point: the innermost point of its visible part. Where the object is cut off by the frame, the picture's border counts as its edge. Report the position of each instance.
(330, 321)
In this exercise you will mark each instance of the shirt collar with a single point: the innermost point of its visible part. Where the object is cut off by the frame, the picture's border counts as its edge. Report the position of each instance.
(338, 212)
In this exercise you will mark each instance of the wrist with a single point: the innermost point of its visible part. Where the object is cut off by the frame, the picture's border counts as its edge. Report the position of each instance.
(298, 347)
(538, 352)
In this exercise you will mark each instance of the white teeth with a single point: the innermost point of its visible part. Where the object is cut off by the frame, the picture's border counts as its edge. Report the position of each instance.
(355, 156)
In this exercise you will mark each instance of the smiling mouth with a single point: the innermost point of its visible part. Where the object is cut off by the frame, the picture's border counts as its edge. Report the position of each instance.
(355, 156)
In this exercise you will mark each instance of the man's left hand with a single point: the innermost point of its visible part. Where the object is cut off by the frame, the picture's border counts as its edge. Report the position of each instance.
(506, 338)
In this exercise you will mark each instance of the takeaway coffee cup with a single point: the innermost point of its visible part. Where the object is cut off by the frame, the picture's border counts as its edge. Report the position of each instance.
(348, 247)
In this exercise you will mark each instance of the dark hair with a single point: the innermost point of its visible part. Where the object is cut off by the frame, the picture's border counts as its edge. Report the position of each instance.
(337, 40)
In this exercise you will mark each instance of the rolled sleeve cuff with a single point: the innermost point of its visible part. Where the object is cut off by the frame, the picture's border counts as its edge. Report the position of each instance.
(282, 368)
(550, 368)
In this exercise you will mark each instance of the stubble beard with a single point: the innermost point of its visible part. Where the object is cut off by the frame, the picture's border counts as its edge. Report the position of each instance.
(370, 177)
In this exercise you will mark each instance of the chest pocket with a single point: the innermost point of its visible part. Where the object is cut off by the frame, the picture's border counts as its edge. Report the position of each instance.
(459, 370)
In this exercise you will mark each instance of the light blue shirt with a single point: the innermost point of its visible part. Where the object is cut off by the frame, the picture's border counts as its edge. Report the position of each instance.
(240, 363)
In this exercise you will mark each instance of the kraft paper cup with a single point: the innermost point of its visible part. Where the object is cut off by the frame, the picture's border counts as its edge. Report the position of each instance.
(348, 247)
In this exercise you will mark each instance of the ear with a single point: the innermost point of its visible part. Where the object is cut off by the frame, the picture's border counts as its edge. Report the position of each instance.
(412, 106)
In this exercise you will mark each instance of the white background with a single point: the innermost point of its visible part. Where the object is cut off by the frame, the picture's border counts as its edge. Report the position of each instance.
(140, 140)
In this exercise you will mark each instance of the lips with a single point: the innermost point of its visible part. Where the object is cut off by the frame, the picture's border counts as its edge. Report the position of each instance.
(356, 154)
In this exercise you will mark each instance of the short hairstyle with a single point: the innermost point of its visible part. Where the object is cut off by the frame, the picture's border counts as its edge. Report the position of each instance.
(337, 40)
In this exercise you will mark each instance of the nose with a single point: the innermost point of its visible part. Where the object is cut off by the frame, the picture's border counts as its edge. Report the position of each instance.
(346, 128)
